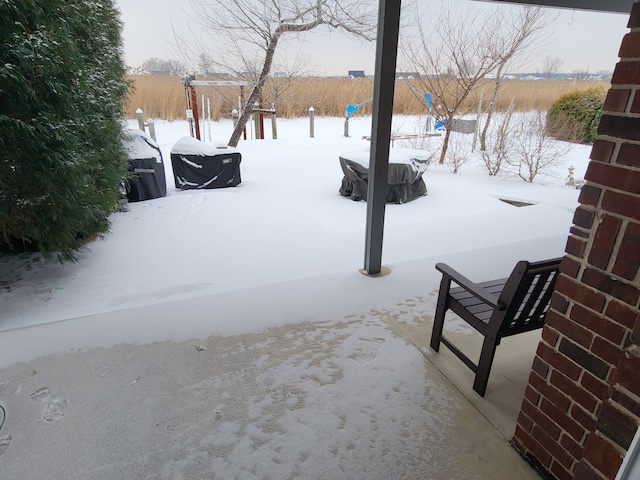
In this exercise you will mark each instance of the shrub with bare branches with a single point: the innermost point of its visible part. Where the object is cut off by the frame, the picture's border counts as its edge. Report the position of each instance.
(416, 137)
(459, 152)
(536, 152)
(499, 145)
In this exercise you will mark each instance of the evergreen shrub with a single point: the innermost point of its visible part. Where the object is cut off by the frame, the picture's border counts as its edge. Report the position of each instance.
(62, 91)
(575, 116)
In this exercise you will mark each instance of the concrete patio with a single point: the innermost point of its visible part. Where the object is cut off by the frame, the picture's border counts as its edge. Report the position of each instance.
(350, 393)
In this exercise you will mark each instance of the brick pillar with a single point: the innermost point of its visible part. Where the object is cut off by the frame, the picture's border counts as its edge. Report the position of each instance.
(582, 404)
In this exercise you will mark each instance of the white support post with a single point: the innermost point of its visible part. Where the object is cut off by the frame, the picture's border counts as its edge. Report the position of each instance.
(140, 117)
(235, 115)
(274, 127)
(209, 116)
(204, 119)
(256, 121)
(149, 124)
(311, 121)
(152, 130)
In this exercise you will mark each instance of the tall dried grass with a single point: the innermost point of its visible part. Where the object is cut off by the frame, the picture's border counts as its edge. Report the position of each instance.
(164, 96)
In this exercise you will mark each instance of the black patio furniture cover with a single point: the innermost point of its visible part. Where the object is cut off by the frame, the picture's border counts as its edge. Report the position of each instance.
(146, 164)
(404, 180)
(198, 165)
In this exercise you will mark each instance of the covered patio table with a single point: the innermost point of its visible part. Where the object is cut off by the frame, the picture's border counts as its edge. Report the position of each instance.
(404, 180)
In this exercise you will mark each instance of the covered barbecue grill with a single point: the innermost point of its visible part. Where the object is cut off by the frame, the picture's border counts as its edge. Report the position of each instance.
(146, 164)
(199, 165)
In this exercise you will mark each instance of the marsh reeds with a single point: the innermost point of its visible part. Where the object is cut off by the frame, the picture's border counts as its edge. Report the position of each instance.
(164, 96)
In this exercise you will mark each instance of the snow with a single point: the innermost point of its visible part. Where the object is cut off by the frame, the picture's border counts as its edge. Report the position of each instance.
(405, 156)
(285, 222)
(230, 331)
(138, 145)
(193, 146)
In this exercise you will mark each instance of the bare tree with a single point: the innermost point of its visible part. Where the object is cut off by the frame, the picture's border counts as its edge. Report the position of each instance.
(453, 53)
(519, 33)
(458, 153)
(157, 66)
(500, 144)
(205, 63)
(251, 30)
(286, 70)
(536, 152)
(551, 65)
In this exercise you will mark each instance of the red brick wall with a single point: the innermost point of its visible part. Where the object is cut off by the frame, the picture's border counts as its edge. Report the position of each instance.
(582, 405)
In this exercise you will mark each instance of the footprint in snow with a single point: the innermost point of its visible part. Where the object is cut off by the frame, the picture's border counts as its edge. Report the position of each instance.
(368, 351)
(4, 443)
(54, 408)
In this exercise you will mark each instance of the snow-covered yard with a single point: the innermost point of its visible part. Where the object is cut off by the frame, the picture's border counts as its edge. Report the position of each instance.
(228, 333)
(285, 222)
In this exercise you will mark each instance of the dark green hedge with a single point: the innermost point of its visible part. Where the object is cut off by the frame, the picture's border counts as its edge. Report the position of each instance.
(62, 90)
(575, 116)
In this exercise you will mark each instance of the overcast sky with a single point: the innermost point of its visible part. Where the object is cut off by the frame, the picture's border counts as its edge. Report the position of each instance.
(584, 40)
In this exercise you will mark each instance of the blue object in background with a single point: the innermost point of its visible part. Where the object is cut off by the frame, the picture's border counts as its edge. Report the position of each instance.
(351, 109)
(427, 98)
(441, 124)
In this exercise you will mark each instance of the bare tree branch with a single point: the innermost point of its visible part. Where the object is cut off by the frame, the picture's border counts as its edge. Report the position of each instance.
(521, 33)
(536, 152)
(453, 53)
(456, 50)
(241, 30)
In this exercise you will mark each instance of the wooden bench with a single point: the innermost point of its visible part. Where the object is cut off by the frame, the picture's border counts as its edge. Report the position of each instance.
(496, 309)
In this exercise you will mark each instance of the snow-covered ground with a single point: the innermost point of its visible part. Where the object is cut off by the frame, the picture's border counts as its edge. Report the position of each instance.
(285, 222)
(228, 333)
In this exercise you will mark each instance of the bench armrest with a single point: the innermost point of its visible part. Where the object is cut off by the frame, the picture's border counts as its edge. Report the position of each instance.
(471, 287)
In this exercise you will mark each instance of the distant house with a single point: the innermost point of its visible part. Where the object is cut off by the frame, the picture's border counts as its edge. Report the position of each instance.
(356, 74)
(407, 75)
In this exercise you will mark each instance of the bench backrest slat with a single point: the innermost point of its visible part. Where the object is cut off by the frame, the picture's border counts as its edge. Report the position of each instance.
(527, 294)
(530, 291)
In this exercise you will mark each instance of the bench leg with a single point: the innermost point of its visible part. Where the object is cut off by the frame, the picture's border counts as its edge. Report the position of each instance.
(487, 354)
(441, 308)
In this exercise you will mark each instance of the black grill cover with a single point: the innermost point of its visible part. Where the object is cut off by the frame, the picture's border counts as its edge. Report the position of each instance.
(145, 162)
(200, 165)
(404, 179)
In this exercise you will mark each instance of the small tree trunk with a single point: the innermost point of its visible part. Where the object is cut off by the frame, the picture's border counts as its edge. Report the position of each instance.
(445, 143)
(475, 130)
(244, 117)
(492, 105)
(255, 91)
